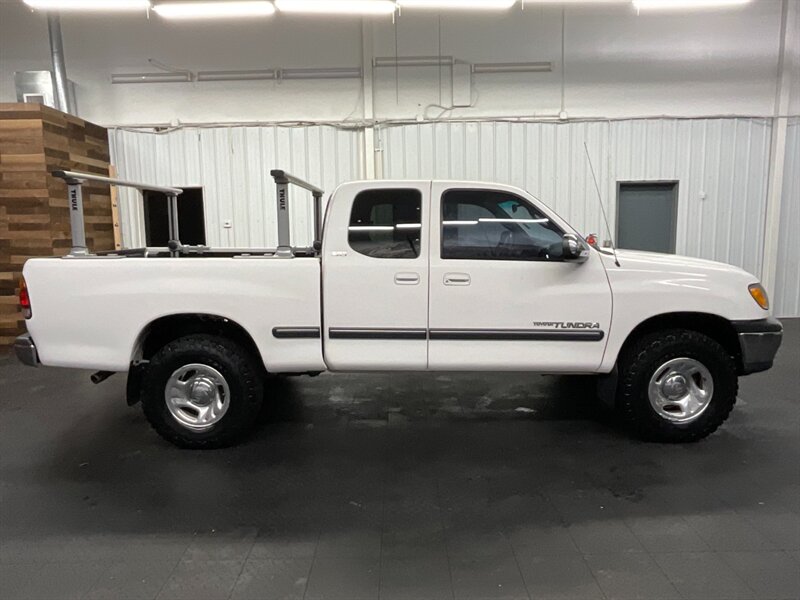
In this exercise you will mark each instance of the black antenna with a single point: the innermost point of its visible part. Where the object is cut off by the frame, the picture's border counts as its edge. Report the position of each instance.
(602, 208)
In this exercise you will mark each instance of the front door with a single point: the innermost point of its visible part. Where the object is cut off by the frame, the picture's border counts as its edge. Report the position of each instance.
(375, 277)
(501, 296)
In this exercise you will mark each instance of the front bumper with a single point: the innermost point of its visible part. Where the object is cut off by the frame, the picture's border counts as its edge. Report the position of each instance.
(26, 350)
(759, 341)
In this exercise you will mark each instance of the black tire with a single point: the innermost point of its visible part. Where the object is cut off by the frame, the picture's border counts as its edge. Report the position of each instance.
(241, 372)
(640, 361)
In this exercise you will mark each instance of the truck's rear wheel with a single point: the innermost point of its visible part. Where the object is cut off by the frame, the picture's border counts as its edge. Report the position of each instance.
(676, 385)
(202, 391)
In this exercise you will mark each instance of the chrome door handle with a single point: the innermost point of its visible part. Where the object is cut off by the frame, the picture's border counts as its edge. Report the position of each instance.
(406, 278)
(457, 279)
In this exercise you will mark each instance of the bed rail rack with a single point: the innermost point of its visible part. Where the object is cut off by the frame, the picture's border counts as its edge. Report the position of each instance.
(75, 181)
(282, 181)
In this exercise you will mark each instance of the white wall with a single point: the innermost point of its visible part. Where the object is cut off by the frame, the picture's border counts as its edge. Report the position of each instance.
(97, 46)
(618, 63)
(232, 166)
(786, 297)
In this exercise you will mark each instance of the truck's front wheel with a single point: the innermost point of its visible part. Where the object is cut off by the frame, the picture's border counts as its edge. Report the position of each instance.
(202, 391)
(676, 386)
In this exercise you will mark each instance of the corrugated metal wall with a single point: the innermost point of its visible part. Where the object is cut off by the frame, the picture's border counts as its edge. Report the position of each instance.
(787, 290)
(232, 166)
(721, 166)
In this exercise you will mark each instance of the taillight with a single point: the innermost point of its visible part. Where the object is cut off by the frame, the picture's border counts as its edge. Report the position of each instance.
(24, 299)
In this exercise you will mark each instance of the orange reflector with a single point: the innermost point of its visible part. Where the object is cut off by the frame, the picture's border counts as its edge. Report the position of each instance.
(759, 294)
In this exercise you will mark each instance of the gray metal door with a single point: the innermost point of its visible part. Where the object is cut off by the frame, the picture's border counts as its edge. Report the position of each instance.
(646, 216)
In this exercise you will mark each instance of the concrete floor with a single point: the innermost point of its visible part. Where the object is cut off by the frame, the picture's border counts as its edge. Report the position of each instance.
(413, 486)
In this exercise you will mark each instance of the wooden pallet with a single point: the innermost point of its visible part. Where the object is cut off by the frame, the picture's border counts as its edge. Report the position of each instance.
(34, 219)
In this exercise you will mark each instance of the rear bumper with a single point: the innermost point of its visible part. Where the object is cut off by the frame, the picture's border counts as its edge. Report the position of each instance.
(759, 341)
(26, 350)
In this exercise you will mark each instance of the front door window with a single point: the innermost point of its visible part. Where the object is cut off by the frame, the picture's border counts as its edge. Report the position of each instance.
(491, 225)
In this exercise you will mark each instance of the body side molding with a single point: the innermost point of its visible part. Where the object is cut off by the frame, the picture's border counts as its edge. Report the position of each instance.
(296, 332)
(541, 335)
(531, 335)
(375, 333)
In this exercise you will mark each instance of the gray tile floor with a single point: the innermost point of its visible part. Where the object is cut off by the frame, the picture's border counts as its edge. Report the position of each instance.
(414, 486)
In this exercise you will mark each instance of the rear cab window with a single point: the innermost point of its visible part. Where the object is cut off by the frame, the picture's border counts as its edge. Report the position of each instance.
(386, 223)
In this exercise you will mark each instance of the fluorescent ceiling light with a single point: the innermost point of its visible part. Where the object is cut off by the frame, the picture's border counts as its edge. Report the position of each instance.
(214, 10)
(585, 2)
(98, 5)
(684, 4)
(458, 4)
(338, 7)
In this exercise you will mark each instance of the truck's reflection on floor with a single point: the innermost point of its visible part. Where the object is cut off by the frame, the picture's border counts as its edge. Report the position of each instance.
(375, 399)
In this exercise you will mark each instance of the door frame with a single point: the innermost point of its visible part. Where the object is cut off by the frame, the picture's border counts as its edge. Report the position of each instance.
(673, 237)
(149, 196)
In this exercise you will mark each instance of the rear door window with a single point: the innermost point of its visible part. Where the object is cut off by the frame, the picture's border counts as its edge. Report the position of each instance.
(386, 223)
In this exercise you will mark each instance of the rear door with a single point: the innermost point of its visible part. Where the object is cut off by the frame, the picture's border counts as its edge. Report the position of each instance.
(501, 296)
(375, 277)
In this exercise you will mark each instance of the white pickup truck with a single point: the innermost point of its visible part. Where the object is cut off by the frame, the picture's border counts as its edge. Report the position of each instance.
(408, 276)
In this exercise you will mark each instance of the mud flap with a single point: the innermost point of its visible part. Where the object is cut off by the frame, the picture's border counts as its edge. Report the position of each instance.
(607, 388)
(133, 388)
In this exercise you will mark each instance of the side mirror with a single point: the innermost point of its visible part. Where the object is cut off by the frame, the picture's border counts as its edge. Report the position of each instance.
(574, 249)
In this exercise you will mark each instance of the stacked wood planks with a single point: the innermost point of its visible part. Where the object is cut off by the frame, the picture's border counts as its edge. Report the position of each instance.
(34, 218)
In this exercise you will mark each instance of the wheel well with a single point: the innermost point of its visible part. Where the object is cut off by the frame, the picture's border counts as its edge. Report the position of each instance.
(165, 329)
(716, 327)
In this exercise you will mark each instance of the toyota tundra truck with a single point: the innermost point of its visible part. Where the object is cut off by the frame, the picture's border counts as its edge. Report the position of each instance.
(401, 276)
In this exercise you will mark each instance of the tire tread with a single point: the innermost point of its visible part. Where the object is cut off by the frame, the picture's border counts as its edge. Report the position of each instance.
(218, 349)
(634, 366)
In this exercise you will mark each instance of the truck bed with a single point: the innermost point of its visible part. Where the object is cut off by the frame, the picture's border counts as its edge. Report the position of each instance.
(89, 312)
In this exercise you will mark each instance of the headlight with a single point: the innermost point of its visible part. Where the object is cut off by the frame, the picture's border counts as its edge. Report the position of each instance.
(759, 294)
